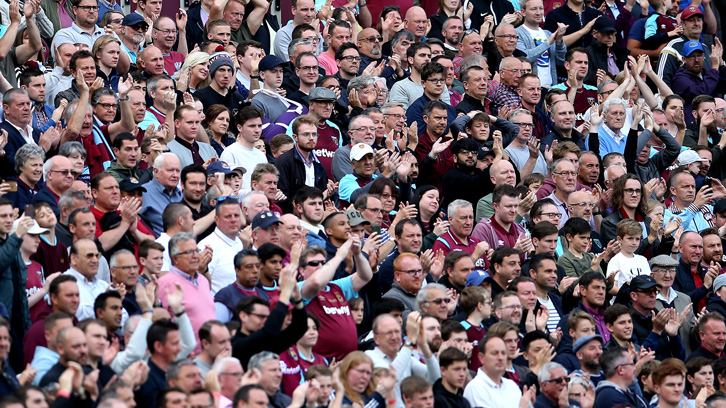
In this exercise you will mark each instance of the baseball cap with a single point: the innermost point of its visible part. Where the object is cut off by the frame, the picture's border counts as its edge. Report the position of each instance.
(322, 94)
(584, 340)
(34, 230)
(130, 184)
(134, 19)
(484, 152)
(690, 47)
(689, 156)
(269, 62)
(476, 278)
(218, 167)
(359, 150)
(604, 25)
(642, 282)
(691, 11)
(663, 260)
(719, 282)
(355, 218)
(264, 220)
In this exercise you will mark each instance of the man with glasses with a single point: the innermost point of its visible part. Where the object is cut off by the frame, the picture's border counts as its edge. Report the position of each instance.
(552, 378)
(433, 78)
(580, 205)
(134, 29)
(185, 276)
(84, 30)
(652, 326)
(505, 39)
(124, 276)
(505, 93)
(84, 267)
(306, 69)
(369, 45)
(304, 41)
(564, 175)
(663, 270)
(361, 130)
(523, 153)
(303, 12)
(165, 34)
(59, 178)
(620, 374)
(348, 59)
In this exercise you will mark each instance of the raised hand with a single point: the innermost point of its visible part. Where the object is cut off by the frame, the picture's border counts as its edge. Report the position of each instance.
(181, 20)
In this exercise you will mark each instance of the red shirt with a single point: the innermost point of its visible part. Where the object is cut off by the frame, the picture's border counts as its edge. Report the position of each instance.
(338, 333)
(328, 143)
(448, 243)
(584, 99)
(474, 334)
(294, 365)
(33, 286)
(173, 62)
(509, 237)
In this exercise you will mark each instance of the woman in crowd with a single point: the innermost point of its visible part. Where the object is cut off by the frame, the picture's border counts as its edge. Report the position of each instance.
(196, 67)
(75, 152)
(216, 123)
(29, 166)
(106, 52)
(356, 371)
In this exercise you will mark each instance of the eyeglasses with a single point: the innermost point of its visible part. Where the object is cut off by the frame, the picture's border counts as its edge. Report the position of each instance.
(566, 173)
(471, 31)
(65, 172)
(313, 40)
(372, 38)
(413, 272)
(364, 128)
(92, 255)
(558, 380)
(671, 271)
(525, 125)
(468, 152)
(583, 205)
(166, 32)
(259, 315)
(626, 364)
(88, 9)
(190, 252)
(107, 106)
(117, 20)
(508, 36)
(351, 58)
(633, 191)
(315, 263)
(607, 93)
(398, 116)
(440, 301)
(513, 307)
(436, 80)
(552, 215)
(698, 57)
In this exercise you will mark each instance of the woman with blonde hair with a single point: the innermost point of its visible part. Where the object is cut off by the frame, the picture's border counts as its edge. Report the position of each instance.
(356, 374)
(106, 52)
(194, 74)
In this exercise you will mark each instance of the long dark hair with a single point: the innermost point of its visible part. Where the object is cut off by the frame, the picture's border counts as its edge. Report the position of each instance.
(618, 198)
(416, 200)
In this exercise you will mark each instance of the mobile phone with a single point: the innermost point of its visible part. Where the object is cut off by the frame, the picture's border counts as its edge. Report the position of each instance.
(29, 211)
(376, 228)
(13, 186)
(707, 182)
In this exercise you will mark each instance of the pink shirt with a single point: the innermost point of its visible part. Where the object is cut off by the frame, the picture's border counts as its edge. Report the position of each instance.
(328, 63)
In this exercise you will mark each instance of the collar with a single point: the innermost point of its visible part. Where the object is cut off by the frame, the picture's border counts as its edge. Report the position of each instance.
(28, 129)
(617, 136)
(187, 277)
(311, 159)
(594, 312)
(184, 143)
(163, 189)
(672, 295)
(96, 30)
(227, 240)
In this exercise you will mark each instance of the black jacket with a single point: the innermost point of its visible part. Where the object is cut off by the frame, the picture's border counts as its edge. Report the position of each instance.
(607, 232)
(597, 54)
(292, 175)
(195, 27)
(656, 164)
(15, 142)
(445, 399)
(577, 137)
(715, 304)
(569, 17)
(458, 184)
(684, 282)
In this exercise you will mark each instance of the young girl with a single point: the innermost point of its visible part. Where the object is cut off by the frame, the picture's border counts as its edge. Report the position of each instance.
(51, 254)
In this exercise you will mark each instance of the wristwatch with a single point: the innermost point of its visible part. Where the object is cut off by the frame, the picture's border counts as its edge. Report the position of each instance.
(408, 343)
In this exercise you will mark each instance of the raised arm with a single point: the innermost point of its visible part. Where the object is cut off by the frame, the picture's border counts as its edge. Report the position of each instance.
(363, 272)
(127, 123)
(25, 52)
(318, 280)
(7, 40)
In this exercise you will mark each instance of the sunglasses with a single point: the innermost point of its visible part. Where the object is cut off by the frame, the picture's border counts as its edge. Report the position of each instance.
(315, 263)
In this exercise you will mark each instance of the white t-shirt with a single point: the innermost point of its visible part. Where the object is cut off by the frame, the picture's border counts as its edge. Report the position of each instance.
(629, 267)
(543, 62)
(238, 155)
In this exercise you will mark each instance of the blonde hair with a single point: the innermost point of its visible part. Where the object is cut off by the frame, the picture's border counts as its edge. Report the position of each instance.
(351, 361)
(192, 61)
(101, 43)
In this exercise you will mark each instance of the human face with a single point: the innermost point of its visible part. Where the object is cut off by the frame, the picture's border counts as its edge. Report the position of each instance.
(251, 130)
(312, 210)
(563, 116)
(462, 268)
(109, 55)
(388, 336)
(96, 340)
(608, 39)
(365, 166)
(421, 58)
(415, 21)
(622, 327)
(36, 399)
(494, 358)
(429, 202)
(219, 341)
(644, 300)
(169, 172)
(546, 275)
(594, 295)
(615, 117)
(470, 45)
(395, 119)
(4, 342)
(86, 260)
(410, 239)
(128, 155)
(511, 73)
(36, 88)
(510, 268)
(580, 205)
(66, 51)
(86, 13)
(85, 68)
(18, 112)
(321, 109)
(713, 337)
(126, 270)
(452, 33)
(342, 35)
(304, 12)
(436, 303)
(75, 347)
(187, 259)
(526, 126)
(30, 243)
(712, 249)
(153, 262)
(250, 54)
(222, 33)
(234, 14)
(434, 85)
(350, 62)
(359, 376)
(555, 385)
(436, 122)
(670, 390)
(339, 228)
(421, 399)
(674, 107)
(462, 221)
(629, 243)
(369, 42)
(138, 105)
(220, 124)
(401, 48)
(308, 70)
(684, 189)
(455, 374)
(505, 211)
(411, 275)
(589, 171)
(578, 64)
(68, 297)
(267, 184)
(272, 267)
(702, 377)
(533, 13)
(45, 217)
(85, 226)
(510, 311)
(580, 242)
(248, 274)
(229, 220)
(527, 293)
(306, 138)
(693, 27)
(530, 90)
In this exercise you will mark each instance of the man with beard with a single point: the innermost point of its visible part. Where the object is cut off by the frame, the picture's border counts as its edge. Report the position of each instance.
(221, 71)
(321, 102)
(693, 79)
(296, 164)
(663, 270)
(369, 46)
(432, 331)
(576, 64)
(166, 32)
(133, 32)
(408, 90)
(712, 249)
(126, 150)
(451, 33)
(72, 346)
(545, 48)
(671, 56)
(308, 202)
(588, 350)
(338, 33)
(704, 128)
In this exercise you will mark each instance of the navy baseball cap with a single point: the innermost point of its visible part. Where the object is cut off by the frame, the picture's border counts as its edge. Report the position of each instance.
(218, 167)
(264, 220)
(134, 19)
(269, 62)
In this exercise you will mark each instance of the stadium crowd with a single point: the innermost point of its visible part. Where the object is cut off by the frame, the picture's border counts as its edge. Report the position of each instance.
(424, 204)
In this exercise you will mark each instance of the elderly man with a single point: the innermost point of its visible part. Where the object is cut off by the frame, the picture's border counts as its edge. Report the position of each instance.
(388, 351)
(229, 370)
(225, 242)
(564, 174)
(611, 132)
(691, 207)
(72, 346)
(434, 299)
(17, 124)
(663, 269)
(185, 277)
(505, 92)
(589, 171)
(59, 178)
(133, 29)
(162, 190)
(692, 278)
(552, 378)
(361, 130)
(84, 267)
(163, 97)
(461, 218)
(166, 32)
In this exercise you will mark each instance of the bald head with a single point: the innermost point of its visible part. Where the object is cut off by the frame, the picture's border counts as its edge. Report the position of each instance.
(416, 21)
(502, 172)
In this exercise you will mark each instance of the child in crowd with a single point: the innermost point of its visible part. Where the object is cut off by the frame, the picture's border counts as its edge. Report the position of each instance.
(577, 260)
(52, 254)
(626, 264)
